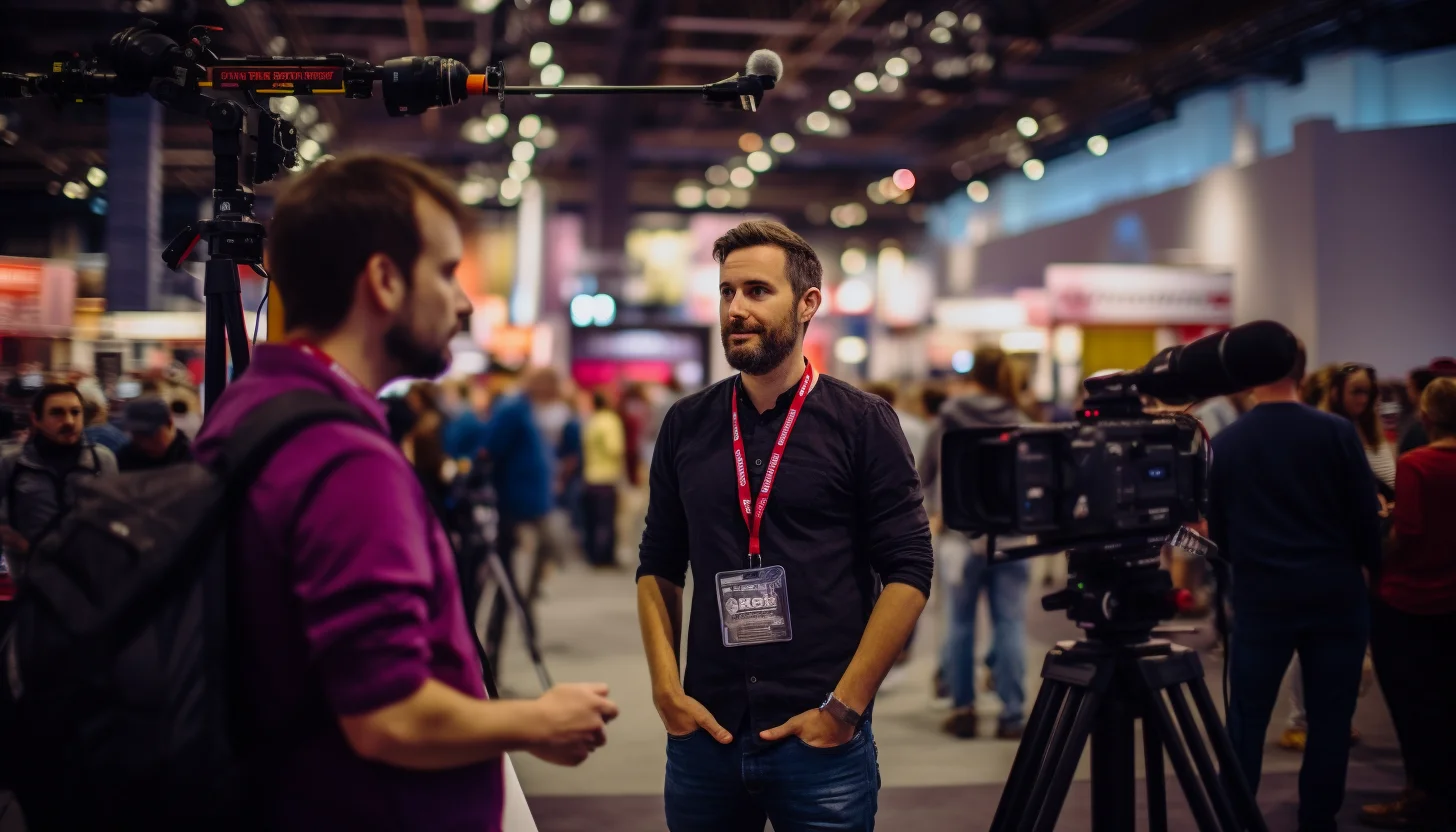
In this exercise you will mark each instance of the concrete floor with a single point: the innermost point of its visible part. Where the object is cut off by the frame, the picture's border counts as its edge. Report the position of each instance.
(930, 781)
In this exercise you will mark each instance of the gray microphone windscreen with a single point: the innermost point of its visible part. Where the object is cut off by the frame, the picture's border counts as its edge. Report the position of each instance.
(765, 62)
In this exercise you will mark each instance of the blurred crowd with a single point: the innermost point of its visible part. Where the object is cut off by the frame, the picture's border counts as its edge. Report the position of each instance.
(567, 464)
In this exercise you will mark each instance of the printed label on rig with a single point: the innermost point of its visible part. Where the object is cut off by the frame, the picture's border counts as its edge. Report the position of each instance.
(318, 79)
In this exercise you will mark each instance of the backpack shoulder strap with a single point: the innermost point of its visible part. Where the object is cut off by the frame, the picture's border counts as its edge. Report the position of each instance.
(264, 431)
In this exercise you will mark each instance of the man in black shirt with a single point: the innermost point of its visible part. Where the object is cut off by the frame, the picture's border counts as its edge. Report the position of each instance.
(801, 602)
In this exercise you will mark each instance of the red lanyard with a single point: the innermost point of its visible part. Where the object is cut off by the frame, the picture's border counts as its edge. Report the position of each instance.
(740, 460)
(325, 359)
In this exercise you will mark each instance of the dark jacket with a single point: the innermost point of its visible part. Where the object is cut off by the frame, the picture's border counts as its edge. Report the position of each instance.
(131, 458)
(33, 494)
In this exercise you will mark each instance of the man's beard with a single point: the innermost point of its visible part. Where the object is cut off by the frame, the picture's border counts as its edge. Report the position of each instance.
(413, 356)
(775, 343)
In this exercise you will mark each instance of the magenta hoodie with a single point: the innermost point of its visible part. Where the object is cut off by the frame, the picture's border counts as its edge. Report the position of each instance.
(349, 602)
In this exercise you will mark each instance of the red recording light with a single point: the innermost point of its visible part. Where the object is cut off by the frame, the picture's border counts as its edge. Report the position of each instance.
(1005, 437)
(1183, 600)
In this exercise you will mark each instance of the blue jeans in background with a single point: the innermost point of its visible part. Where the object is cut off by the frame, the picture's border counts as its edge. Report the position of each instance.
(1005, 587)
(737, 787)
(1331, 648)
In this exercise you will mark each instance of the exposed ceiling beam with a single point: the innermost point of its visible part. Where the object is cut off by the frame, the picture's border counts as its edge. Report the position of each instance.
(759, 26)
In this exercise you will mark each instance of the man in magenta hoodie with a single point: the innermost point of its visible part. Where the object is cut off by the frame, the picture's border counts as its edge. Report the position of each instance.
(358, 662)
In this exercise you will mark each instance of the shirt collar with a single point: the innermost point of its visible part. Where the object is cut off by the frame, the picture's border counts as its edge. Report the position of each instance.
(781, 405)
(285, 360)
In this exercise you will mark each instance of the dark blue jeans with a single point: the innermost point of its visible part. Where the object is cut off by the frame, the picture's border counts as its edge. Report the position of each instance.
(1331, 647)
(736, 787)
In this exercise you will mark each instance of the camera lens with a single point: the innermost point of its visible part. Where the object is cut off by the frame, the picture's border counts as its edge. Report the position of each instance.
(414, 85)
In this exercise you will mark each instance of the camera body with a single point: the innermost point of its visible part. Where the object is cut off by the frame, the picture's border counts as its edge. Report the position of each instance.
(1115, 473)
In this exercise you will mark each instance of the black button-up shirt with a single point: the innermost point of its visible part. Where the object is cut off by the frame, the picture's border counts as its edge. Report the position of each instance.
(844, 516)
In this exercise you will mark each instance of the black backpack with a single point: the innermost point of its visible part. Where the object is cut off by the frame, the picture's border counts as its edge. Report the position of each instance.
(122, 658)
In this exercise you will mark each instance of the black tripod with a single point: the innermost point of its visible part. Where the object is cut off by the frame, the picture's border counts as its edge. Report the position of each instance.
(1099, 688)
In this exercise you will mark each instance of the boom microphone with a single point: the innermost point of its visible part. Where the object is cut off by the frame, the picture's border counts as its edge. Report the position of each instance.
(763, 71)
(1227, 362)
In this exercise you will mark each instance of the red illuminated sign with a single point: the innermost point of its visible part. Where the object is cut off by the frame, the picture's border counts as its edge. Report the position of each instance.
(317, 79)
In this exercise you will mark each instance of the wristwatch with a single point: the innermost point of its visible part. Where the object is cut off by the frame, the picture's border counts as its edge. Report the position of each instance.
(840, 711)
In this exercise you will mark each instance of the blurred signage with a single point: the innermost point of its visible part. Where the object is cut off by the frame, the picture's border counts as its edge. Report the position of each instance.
(1138, 294)
(37, 296)
(981, 314)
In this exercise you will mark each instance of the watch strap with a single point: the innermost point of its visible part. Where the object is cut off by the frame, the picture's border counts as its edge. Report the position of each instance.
(840, 711)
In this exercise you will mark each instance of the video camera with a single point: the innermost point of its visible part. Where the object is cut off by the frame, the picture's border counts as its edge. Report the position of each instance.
(1112, 487)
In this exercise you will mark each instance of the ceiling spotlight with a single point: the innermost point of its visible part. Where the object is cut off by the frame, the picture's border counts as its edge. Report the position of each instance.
(1034, 169)
(483, 6)
(476, 131)
(840, 100)
(782, 143)
(97, 177)
(523, 151)
(940, 34)
(897, 66)
(309, 150)
(904, 179)
(546, 138)
(875, 194)
(496, 124)
(911, 54)
(235, 3)
(688, 195)
(75, 190)
(540, 53)
(510, 189)
(287, 106)
(947, 19)
(749, 142)
(552, 75)
(717, 197)
(1026, 126)
(851, 349)
(519, 171)
(560, 12)
(889, 83)
(972, 22)
(817, 121)
(716, 175)
(978, 191)
(738, 198)
(529, 126)
(471, 192)
(1098, 145)
(981, 62)
(759, 161)
(741, 177)
(593, 11)
(853, 261)
(866, 82)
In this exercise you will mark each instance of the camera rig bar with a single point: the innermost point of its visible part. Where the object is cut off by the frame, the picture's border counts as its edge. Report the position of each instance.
(251, 144)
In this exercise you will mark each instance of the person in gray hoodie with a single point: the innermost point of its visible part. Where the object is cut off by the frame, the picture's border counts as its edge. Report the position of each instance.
(988, 401)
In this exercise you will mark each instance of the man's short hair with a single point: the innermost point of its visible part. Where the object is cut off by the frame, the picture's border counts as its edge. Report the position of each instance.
(986, 368)
(1438, 404)
(332, 219)
(38, 404)
(1301, 359)
(800, 262)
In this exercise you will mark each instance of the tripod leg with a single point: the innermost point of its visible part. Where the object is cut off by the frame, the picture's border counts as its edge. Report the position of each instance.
(1049, 701)
(1197, 801)
(1157, 785)
(1233, 776)
(1114, 762)
(1053, 791)
(1216, 793)
(237, 334)
(214, 376)
(513, 600)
